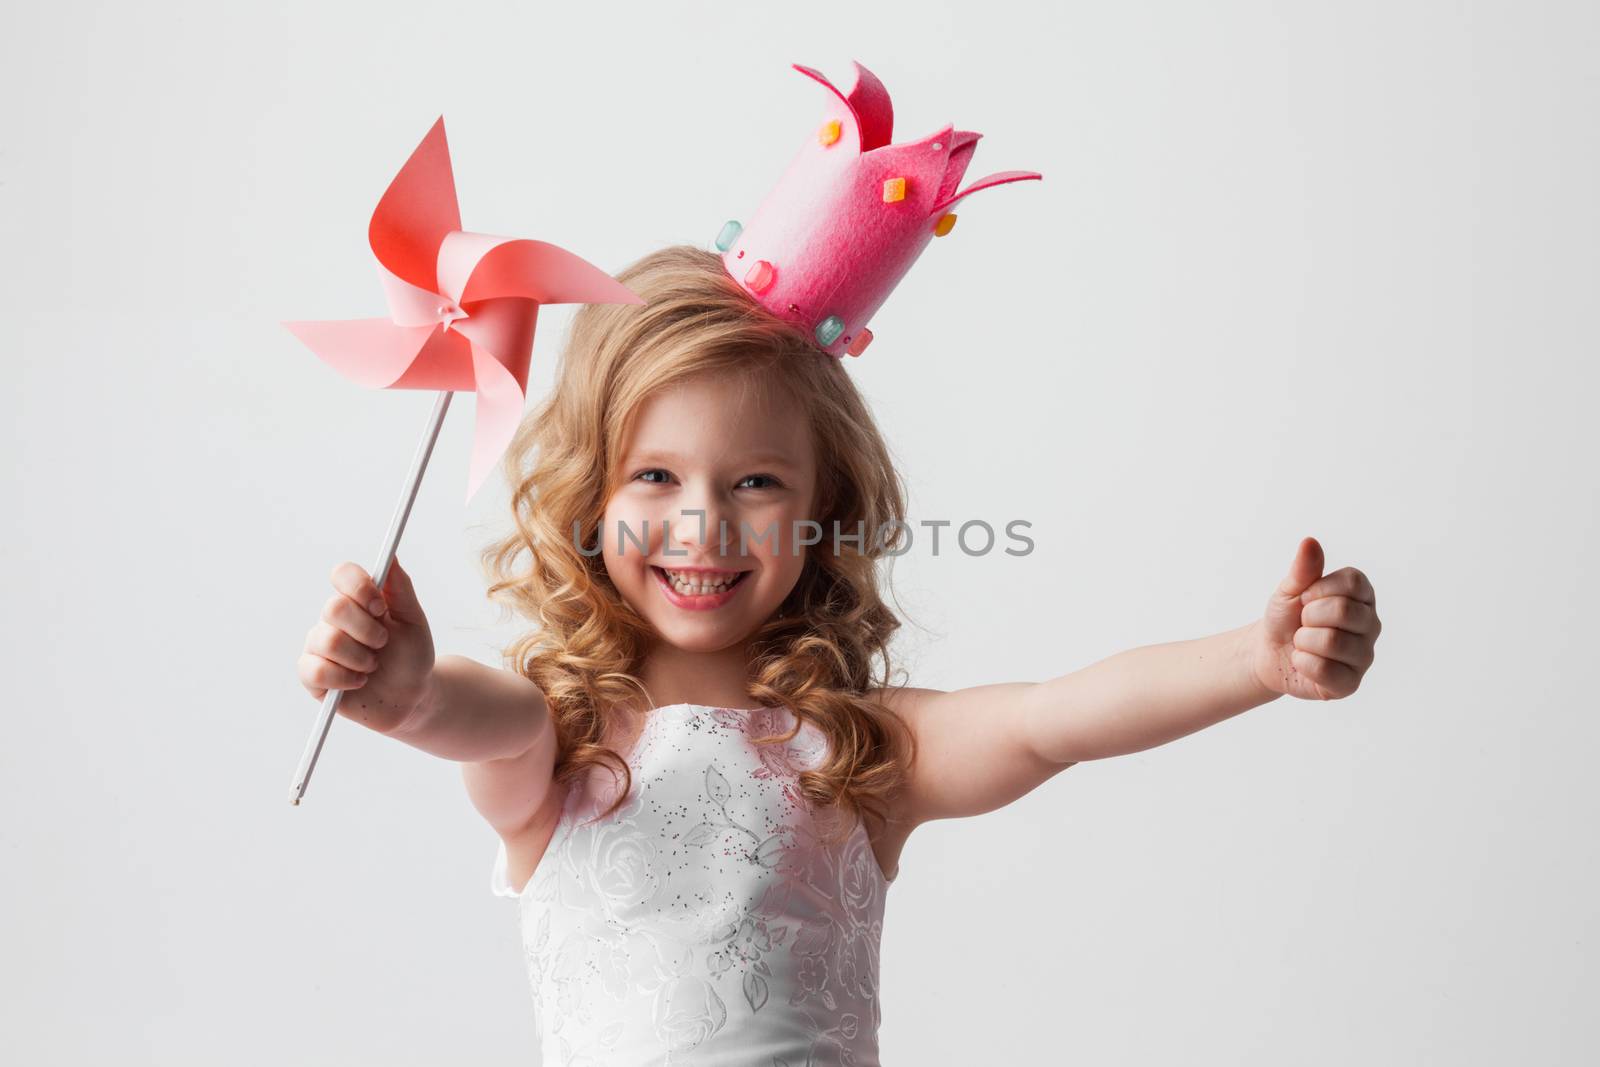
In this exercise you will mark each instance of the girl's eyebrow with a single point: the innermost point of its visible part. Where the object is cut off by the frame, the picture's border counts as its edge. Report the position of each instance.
(662, 456)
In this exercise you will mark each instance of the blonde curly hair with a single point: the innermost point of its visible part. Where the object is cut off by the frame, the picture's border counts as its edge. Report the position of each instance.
(816, 655)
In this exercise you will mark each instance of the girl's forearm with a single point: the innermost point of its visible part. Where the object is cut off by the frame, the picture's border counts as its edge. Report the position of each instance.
(1146, 696)
(474, 713)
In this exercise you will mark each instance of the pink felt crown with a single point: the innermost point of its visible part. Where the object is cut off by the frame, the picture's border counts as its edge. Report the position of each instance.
(849, 217)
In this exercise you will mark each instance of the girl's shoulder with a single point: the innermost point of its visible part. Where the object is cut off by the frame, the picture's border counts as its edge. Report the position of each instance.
(904, 700)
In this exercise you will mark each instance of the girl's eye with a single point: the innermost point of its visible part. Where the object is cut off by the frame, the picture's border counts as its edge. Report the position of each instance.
(645, 475)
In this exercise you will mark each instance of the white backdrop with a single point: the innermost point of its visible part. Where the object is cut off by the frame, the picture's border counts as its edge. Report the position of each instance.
(1293, 269)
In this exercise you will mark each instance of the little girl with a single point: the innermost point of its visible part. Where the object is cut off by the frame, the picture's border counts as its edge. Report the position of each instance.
(700, 774)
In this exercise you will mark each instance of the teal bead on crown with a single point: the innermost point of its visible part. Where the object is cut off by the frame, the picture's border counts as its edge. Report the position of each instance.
(829, 329)
(728, 234)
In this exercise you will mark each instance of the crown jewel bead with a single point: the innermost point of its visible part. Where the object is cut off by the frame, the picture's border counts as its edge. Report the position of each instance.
(829, 134)
(829, 329)
(759, 278)
(859, 345)
(944, 225)
(728, 234)
(894, 189)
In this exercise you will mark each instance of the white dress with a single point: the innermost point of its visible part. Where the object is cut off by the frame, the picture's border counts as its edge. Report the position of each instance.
(705, 922)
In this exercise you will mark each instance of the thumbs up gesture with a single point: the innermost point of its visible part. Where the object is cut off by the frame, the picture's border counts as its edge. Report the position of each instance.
(1316, 639)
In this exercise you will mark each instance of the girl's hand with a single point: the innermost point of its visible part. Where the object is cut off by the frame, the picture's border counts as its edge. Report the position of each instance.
(1316, 640)
(377, 645)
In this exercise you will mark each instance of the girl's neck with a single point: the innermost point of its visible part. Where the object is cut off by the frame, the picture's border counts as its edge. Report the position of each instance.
(719, 679)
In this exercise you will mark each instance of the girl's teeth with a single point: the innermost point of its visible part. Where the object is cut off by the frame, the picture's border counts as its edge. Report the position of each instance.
(689, 588)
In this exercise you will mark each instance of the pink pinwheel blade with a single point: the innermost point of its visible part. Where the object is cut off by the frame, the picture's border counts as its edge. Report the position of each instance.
(446, 363)
(504, 329)
(370, 352)
(500, 401)
(478, 266)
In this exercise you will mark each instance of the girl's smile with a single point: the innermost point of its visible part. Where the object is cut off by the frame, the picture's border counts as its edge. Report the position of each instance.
(697, 588)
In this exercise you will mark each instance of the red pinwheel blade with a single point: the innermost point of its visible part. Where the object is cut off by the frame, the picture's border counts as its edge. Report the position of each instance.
(416, 212)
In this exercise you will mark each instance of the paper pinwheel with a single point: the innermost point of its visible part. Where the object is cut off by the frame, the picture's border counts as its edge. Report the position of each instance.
(462, 305)
(462, 308)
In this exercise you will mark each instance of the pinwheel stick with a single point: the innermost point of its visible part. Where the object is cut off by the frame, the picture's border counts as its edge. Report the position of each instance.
(380, 573)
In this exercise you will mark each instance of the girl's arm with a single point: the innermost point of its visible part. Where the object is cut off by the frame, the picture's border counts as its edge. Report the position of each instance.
(984, 747)
(496, 724)
(981, 748)
(1143, 698)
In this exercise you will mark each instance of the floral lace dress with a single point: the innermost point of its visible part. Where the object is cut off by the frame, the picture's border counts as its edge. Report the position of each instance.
(706, 922)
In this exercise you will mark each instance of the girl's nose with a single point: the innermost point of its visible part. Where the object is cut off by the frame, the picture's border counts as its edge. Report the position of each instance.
(697, 527)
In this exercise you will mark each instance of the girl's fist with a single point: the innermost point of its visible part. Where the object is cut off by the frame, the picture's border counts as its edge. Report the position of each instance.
(1316, 639)
(376, 644)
